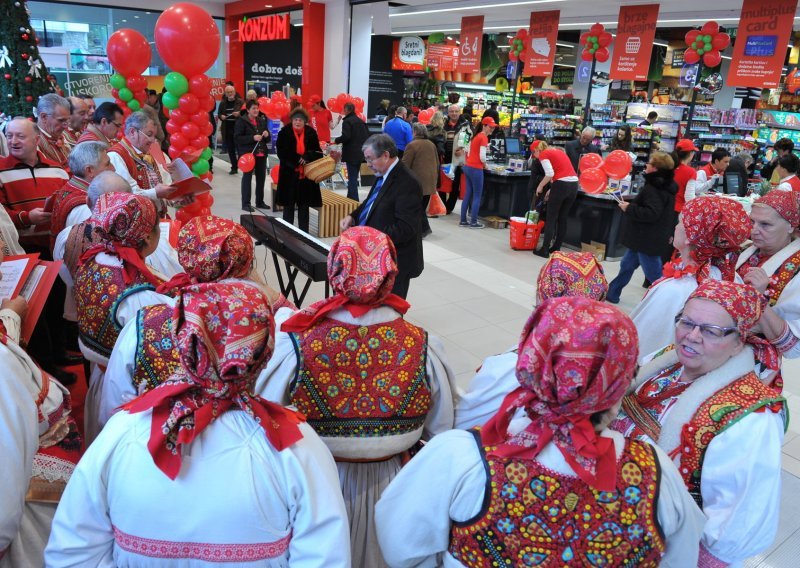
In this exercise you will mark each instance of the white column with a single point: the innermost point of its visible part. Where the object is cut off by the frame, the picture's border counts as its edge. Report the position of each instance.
(337, 47)
(360, 48)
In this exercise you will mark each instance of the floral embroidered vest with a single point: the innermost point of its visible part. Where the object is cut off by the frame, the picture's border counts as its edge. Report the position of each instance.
(70, 196)
(533, 516)
(99, 289)
(156, 351)
(147, 176)
(362, 381)
(722, 410)
(780, 279)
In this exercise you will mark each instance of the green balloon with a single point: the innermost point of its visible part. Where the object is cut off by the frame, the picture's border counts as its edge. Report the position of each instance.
(134, 105)
(200, 167)
(206, 154)
(595, 39)
(117, 81)
(707, 38)
(169, 100)
(125, 94)
(176, 83)
(701, 51)
(694, 45)
(592, 50)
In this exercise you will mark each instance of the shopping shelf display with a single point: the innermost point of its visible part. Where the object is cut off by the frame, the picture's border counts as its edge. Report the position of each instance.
(558, 130)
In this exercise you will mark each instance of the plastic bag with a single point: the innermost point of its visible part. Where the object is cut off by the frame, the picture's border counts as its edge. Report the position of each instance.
(436, 206)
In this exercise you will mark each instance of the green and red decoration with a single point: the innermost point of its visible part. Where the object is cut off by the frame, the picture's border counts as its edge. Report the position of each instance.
(595, 44)
(706, 43)
(518, 45)
(129, 54)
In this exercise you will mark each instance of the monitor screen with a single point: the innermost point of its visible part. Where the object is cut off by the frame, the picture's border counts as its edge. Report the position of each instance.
(512, 146)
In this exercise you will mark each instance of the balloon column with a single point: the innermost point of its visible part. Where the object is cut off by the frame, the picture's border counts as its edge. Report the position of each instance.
(595, 44)
(129, 54)
(188, 41)
(336, 104)
(518, 45)
(707, 43)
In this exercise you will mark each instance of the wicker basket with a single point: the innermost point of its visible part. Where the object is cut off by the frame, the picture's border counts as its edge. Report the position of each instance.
(320, 170)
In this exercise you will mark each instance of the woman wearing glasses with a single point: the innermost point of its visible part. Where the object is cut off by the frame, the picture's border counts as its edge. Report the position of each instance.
(700, 401)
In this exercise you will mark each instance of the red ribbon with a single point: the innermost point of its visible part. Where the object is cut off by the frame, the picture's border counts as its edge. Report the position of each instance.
(132, 262)
(304, 319)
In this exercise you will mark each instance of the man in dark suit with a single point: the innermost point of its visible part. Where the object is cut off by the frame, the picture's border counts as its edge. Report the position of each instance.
(393, 206)
(583, 145)
(354, 134)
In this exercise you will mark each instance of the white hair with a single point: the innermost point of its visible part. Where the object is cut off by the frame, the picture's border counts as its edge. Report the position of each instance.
(86, 154)
(47, 104)
(106, 182)
(137, 121)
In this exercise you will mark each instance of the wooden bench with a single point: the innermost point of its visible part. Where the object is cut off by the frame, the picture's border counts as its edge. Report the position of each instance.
(334, 208)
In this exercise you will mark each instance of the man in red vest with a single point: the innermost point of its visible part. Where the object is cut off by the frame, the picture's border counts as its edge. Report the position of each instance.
(78, 119)
(106, 121)
(710, 175)
(53, 114)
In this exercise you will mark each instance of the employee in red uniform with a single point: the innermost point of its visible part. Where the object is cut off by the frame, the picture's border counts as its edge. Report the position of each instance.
(710, 175)
(321, 119)
(473, 171)
(787, 171)
(558, 170)
(685, 175)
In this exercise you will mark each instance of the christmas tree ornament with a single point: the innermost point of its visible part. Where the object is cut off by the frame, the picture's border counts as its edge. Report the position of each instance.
(35, 68)
(4, 58)
(25, 56)
(28, 79)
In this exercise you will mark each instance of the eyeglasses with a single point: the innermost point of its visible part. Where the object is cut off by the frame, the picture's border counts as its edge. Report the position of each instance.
(117, 124)
(707, 331)
(370, 160)
(146, 135)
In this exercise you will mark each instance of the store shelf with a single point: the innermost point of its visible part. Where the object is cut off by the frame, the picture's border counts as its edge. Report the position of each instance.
(701, 119)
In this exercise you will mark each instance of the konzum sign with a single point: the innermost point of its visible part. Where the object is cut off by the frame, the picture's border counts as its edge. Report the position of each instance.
(264, 28)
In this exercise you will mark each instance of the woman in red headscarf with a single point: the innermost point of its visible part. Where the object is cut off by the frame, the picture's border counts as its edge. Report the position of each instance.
(708, 237)
(370, 383)
(544, 483)
(112, 282)
(200, 470)
(702, 403)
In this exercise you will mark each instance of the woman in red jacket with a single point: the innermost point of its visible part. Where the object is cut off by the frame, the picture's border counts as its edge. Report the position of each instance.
(558, 169)
(685, 174)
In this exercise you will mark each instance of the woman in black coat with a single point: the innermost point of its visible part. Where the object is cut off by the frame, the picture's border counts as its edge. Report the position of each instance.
(647, 224)
(251, 135)
(297, 145)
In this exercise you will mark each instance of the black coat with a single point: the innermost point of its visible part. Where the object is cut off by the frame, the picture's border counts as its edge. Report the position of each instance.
(291, 189)
(397, 211)
(649, 220)
(244, 131)
(354, 134)
(575, 150)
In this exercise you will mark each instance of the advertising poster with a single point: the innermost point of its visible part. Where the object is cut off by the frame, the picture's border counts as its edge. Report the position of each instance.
(636, 30)
(542, 34)
(275, 62)
(469, 57)
(442, 57)
(408, 54)
(760, 46)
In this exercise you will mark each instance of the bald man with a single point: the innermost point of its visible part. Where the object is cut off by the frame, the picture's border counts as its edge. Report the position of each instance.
(78, 119)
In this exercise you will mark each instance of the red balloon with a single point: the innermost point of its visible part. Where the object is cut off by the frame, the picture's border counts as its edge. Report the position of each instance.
(247, 162)
(179, 116)
(189, 103)
(332, 104)
(274, 174)
(172, 127)
(200, 142)
(199, 85)
(584, 38)
(129, 52)
(341, 98)
(190, 130)
(712, 58)
(206, 129)
(691, 56)
(166, 111)
(618, 164)
(710, 28)
(278, 96)
(359, 102)
(126, 111)
(586, 55)
(115, 93)
(721, 41)
(199, 118)
(187, 39)
(263, 104)
(178, 141)
(604, 39)
(424, 117)
(512, 56)
(362, 116)
(691, 36)
(589, 161)
(602, 54)
(207, 103)
(272, 111)
(597, 29)
(593, 180)
(174, 153)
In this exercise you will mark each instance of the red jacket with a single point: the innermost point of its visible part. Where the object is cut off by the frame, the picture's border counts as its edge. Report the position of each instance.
(562, 166)
(683, 175)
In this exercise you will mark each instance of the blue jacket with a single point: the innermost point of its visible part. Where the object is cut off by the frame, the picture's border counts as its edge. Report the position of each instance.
(400, 131)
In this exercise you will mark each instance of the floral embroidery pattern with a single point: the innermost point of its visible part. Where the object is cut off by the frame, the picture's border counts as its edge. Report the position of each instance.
(157, 355)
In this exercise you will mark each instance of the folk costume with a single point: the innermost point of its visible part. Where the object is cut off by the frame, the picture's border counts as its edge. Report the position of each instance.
(111, 283)
(69, 207)
(199, 470)
(564, 274)
(538, 485)
(93, 134)
(724, 431)
(55, 149)
(715, 228)
(140, 170)
(370, 383)
(71, 137)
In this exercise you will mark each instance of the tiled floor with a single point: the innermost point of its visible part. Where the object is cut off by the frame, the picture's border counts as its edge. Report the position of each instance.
(476, 293)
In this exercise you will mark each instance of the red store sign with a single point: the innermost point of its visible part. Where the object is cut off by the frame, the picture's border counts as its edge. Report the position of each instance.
(264, 28)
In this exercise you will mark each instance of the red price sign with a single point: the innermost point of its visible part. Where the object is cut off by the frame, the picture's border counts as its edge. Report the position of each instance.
(469, 57)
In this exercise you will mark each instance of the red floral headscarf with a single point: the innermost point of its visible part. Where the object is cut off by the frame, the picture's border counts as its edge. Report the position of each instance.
(571, 274)
(123, 221)
(362, 266)
(576, 357)
(715, 227)
(210, 249)
(785, 203)
(743, 304)
(225, 336)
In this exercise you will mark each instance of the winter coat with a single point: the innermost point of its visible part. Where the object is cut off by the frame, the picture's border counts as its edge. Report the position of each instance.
(291, 189)
(243, 132)
(422, 159)
(649, 220)
(354, 134)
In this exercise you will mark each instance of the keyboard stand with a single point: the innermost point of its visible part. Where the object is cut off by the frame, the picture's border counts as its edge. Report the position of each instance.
(289, 288)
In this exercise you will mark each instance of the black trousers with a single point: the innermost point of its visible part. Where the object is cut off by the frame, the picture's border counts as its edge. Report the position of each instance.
(260, 172)
(401, 283)
(450, 199)
(227, 135)
(302, 216)
(426, 226)
(562, 196)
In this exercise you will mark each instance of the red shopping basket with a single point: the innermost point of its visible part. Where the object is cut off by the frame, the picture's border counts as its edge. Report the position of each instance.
(524, 236)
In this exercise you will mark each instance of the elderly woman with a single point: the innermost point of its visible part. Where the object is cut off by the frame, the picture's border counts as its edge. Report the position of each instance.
(709, 234)
(112, 283)
(259, 487)
(564, 274)
(702, 403)
(370, 383)
(553, 486)
(211, 249)
(296, 146)
(770, 265)
(422, 158)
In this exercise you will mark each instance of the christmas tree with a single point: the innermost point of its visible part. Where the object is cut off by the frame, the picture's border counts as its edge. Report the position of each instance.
(23, 74)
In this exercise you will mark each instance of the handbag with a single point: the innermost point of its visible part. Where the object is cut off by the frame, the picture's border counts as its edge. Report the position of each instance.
(320, 170)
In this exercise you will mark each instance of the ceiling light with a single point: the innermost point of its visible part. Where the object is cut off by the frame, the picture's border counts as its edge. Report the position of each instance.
(137, 17)
(450, 38)
(124, 21)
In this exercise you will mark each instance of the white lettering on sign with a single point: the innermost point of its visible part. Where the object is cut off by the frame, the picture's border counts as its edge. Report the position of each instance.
(411, 50)
(273, 70)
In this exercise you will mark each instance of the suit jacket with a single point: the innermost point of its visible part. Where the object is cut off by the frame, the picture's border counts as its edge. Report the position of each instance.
(397, 211)
(354, 134)
(575, 150)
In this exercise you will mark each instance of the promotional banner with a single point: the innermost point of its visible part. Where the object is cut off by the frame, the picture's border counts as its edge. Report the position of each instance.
(442, 57)
(760, 47)
(405, 58)
(542, 35)
(636, 30)
(275, 62)
(469, 59)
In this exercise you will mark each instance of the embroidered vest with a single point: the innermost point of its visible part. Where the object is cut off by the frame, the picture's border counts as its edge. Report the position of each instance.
(146, 176)
(99, 290)
(780, 279)
(54, 150)
(722, 410)
(70, 196)
(156, 351)
(532, 516)
(362, 381)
